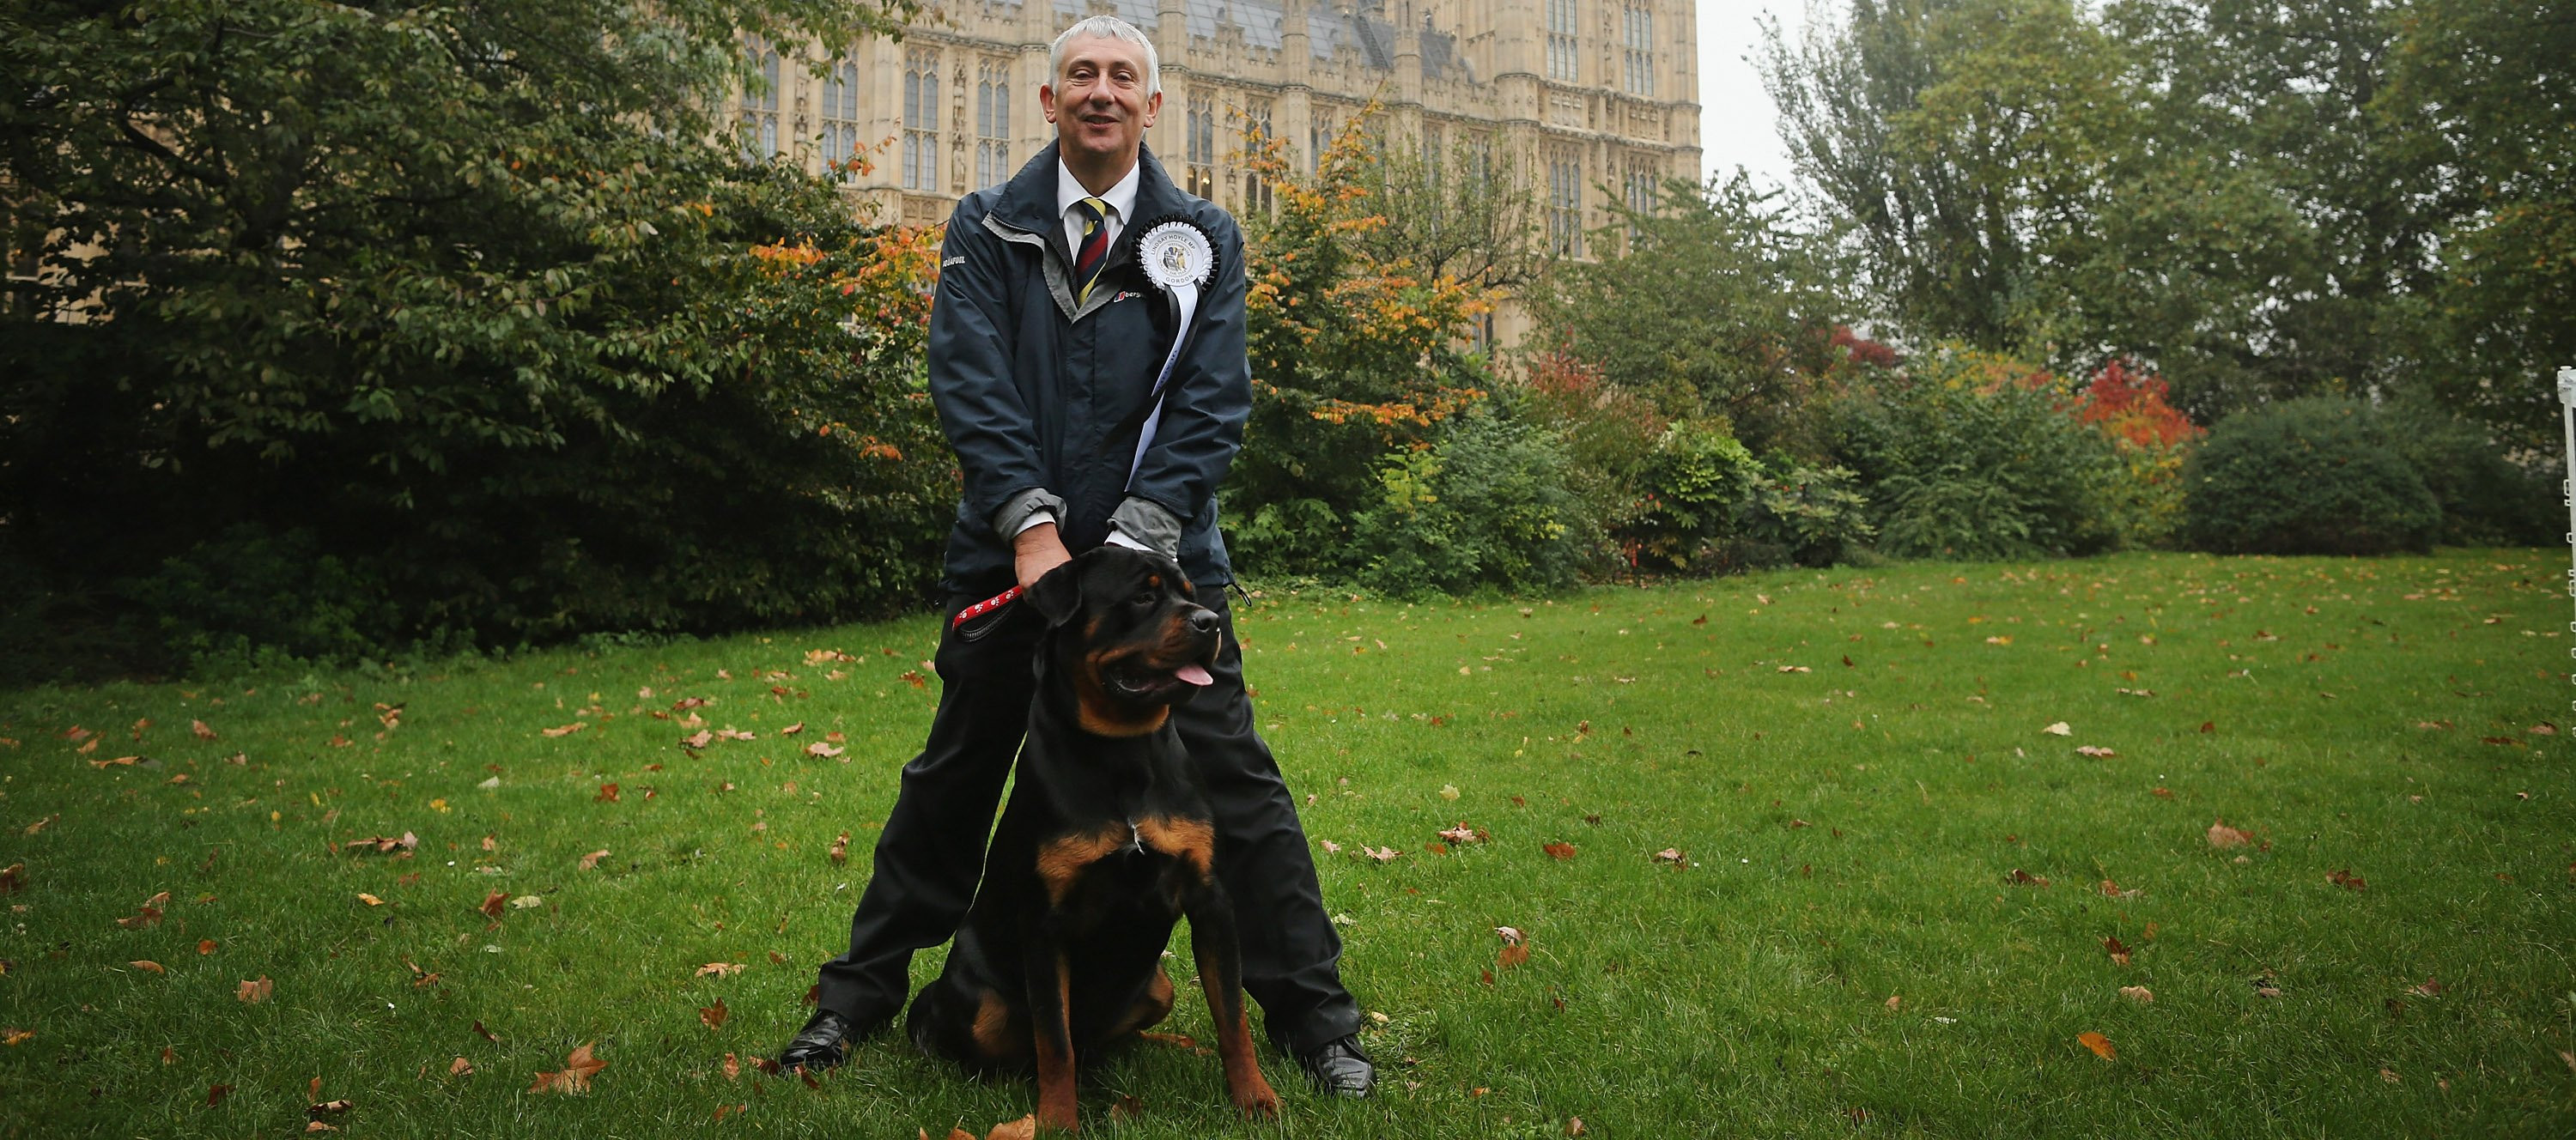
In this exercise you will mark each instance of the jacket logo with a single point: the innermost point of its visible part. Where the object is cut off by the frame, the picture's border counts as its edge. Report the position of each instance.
(952, 261)
(1123, 295)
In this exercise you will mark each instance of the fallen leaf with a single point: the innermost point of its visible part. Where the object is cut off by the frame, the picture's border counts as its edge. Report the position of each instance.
(149, 914)
(1511, 935)
(2119, 953)
(2264, 987)
(1672, 855)
(460, 1067)
(591, 861)
(13, 878)
(818, 748)
(527, 902)
(2222, 836)
(2059, 729)
(720, 969)
(1381, 854)
(215, 1094)
(2096, 753)
(1448, 791)
(2100, 1045)
(607, 794)
(565, 730)
(328, 1108)
(1460, 834)
(2388, 1076)
(714, 1015)
(1332, 848)
(1025, 1128)
(2024, 878)
(253, 993)
(1513, 954)
(2430, 988)
(369, 899)
(1121, 1111)
(141, 964)
(199, 727)
(579, 1067)
(41, 824)
(492, 903)
(792, 729)
(1560, 850)
(1574, 1124)
(699, 740)
(841, 848)
(2346, 879)
(2139, 994)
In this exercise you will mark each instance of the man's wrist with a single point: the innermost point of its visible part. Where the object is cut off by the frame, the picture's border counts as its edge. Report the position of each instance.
(1027, 509)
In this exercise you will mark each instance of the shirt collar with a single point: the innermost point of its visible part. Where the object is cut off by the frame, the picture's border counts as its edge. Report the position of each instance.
(1121, 197)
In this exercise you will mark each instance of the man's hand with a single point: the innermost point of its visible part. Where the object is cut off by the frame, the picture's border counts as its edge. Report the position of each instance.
(1037, 550)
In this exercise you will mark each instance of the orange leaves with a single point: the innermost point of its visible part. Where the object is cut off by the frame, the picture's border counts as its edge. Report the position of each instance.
(592, 860)
(494, 902)
(255, 992)
(13, 878)
(148, 966)
(2119, 953)
(199, 728)
(720, 969)
(1515, 951)
(607, 794)
(714, 1015)
(2346, 879)
(2100, 1045)
(575, 1076)
(1558, 849)
(564, 730)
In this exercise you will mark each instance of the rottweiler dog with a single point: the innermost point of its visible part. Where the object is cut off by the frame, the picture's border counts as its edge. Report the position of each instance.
(1105, 843)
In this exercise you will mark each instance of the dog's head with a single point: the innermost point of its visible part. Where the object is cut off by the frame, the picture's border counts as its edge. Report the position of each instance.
(1125, 634)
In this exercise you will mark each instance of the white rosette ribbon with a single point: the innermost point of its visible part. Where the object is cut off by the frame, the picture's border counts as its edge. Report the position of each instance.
(1177, 257)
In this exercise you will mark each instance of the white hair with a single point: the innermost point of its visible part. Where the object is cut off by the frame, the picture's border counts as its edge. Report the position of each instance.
(1108, 27)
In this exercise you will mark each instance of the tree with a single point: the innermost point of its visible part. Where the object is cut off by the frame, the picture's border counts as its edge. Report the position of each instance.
(1717, 306)
(481, 303)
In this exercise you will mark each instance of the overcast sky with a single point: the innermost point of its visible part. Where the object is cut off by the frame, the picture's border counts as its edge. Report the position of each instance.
(1735, 119)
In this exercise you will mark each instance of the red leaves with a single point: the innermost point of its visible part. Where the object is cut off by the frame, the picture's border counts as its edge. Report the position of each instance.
(494, 902)
(2346, 879)
(607, 794)
(1558, 849)
(579, 1067)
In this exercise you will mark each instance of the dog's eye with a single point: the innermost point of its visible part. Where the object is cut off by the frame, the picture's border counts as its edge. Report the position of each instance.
(1142, 598)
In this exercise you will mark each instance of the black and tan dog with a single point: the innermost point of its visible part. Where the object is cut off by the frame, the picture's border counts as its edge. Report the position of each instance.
(1106, 842)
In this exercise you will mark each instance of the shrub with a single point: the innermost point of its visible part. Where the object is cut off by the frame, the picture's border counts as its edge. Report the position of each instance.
(1799, 514)
(1690, 488)
(2310, 476)
(2487, 499)
(1968, 455)
(2152, 437)
(1487, 506)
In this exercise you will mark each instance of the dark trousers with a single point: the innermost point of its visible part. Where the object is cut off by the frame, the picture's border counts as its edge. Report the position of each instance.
(932, 852)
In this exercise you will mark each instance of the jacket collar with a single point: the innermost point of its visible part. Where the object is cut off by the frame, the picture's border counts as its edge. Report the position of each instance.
(1028, 199)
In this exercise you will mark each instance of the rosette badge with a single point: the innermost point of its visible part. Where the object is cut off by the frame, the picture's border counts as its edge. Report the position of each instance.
(1177, 254)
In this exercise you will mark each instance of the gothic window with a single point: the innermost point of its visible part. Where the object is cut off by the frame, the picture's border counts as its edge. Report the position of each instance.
(759, 117)
(921, 120)
(1200, 178)
(840, 116)
(1565, 206)
(1256, 130)
(1641, 50)
(992, 123)
(1640, 193)
(1560, 39)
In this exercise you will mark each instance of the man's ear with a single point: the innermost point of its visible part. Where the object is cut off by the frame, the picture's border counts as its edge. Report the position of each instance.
(1057, 593)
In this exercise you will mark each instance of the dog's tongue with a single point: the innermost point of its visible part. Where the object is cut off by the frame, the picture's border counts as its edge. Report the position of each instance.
(1194, 674)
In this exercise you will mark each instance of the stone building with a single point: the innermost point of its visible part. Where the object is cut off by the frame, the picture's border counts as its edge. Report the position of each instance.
(1586, 94)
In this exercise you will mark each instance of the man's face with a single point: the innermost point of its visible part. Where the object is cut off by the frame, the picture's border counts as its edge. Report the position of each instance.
(1098, 101)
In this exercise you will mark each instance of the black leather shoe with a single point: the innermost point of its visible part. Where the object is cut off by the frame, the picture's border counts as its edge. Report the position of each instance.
(824, 1044)
(1340, 1068)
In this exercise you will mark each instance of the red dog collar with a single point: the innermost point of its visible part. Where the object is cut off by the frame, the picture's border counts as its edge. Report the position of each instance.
(986, 606)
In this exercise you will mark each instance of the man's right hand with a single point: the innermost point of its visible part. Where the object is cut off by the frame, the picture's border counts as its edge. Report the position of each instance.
(1037, 550)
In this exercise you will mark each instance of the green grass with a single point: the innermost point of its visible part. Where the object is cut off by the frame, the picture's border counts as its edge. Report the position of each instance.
(1850, 835)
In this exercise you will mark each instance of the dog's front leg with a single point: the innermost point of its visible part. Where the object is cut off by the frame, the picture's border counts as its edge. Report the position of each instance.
(1050, 981)
(1220, 962)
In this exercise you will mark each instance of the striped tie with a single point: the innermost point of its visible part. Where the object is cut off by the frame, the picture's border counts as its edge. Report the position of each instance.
(1095, 247)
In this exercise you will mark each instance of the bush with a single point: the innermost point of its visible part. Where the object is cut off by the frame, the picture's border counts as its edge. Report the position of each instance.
(1973, 456)
(1485, 507)
(2311, 476)
(2487, 499)
(1799, 514)
(1690, 489)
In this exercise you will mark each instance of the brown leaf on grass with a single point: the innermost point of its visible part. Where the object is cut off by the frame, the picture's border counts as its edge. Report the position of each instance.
(253, 993)
(2430, 988)
(1515, 954)
(205, 946)
(841, 848)
(382, 843)
(1175, 1040)
(1559, 849)
(199, 727)
(215, 1094)
(2139, 994)
(485, 1034)
(2100, 1045)
(1672, 855)
(731, 1068)
(699, 740)
(720, 969)
(919, 682)
(1462, 834)
(2096, 753)
(42, 824)
(369, 899)
(564, 730)
(118, 762)
(591, 861)
(149, 914)
(2119, 953)
(1123, 1110)
(2059, 728)
(1574, 1124)
(2346, 879)
(792, 729)
(494, 902)
(2022, 878)
(1381, 854)
(141, 964)
(607, 794)
(2222, 836)
(13, 878)
(1025, 1128)
(460, 1067)
(2265, 987)
(826, 751)
(714, 1015)
(578, 1068)
(328, 1108)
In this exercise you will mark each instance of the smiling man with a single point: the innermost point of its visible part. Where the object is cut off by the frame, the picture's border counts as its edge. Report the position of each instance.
(1087, 360)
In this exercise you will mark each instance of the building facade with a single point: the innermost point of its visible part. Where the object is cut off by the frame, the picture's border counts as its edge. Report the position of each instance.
(1595, 98)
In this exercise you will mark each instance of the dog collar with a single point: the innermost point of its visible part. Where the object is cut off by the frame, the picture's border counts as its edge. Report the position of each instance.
(986, 606)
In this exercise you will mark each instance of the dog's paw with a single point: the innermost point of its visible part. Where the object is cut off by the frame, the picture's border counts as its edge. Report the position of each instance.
(1257, 1102)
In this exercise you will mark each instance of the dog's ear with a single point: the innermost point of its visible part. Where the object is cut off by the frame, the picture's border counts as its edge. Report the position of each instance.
(1057, 594)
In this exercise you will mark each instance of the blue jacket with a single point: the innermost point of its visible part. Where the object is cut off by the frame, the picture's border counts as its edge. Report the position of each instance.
(1036, 393)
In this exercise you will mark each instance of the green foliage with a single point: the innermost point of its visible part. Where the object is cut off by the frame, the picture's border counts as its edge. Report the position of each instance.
(1967, 455)
(472, 304)
(2486, 499)
(2318, 475)
(1802, 515)
(1487, 506)
(1715, 305)
(1690, 489)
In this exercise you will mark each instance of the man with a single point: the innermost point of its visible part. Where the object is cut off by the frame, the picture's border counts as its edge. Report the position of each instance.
(1046, 340)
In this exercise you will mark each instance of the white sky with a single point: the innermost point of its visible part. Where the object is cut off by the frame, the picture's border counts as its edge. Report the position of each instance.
(1735, 117)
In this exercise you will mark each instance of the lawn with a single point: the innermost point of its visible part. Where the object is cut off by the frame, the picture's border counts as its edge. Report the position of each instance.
(1795, 854)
